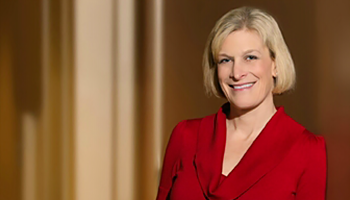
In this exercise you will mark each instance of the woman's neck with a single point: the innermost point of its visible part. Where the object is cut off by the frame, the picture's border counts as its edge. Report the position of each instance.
(248, 123)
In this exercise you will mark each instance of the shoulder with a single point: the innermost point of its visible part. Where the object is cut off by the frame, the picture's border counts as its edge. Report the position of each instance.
(306, 136)
(185, 133)
(306, 141)
(186, 125)
(186, 129)
(312, 147)
(191, 126)
(313, 144)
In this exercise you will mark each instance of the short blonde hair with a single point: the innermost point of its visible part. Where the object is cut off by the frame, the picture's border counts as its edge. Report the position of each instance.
(267, 28)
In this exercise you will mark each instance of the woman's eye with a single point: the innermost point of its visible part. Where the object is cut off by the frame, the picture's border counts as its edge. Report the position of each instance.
(251, 57)
(225, 60)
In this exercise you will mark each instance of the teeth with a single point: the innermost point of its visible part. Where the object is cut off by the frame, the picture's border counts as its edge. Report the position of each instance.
(243, 86)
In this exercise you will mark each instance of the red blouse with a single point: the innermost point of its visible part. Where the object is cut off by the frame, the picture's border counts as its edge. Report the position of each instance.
(285, 162)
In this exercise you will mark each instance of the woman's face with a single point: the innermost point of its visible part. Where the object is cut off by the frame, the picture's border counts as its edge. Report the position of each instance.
(246, 70)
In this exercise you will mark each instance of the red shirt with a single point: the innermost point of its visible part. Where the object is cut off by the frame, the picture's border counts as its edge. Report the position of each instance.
(285, 162)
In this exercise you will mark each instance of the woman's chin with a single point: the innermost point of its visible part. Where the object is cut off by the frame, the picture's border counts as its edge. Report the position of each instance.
(243, 106)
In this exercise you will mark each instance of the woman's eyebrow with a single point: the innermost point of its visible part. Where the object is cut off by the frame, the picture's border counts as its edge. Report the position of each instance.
(225, 55)
(250, 51)
(244, 52)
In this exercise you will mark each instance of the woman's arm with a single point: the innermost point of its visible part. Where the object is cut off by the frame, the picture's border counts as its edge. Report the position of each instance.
(171, 160)
(312, 184)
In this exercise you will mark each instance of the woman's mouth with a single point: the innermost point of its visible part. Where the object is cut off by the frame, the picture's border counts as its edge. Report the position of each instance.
(242, 86)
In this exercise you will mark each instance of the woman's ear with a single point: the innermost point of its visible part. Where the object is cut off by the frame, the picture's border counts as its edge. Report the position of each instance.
(274, 69)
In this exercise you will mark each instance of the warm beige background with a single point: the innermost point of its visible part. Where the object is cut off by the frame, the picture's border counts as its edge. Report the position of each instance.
(91, 89)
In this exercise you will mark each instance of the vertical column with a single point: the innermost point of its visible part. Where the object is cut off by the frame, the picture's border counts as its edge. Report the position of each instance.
(125, 100)
(49, 136)
(29, 157)
(67, 114)
(10, 168)
(93, 105)
(150, 82)
(158, 81)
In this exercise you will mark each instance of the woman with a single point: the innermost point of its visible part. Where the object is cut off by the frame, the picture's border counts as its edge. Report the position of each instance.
(249, 150)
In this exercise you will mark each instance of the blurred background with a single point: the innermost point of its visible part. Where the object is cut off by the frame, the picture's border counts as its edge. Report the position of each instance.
(91, 89)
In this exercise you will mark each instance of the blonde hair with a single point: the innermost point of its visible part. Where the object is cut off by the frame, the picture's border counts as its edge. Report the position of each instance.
(267, 28)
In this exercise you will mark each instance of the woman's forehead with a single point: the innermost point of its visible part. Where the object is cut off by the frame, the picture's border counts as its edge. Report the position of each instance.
(242, 40)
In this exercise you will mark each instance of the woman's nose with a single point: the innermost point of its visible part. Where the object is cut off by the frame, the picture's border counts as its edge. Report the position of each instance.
(238, 71)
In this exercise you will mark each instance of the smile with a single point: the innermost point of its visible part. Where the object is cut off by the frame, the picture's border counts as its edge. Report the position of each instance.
(242, 86)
